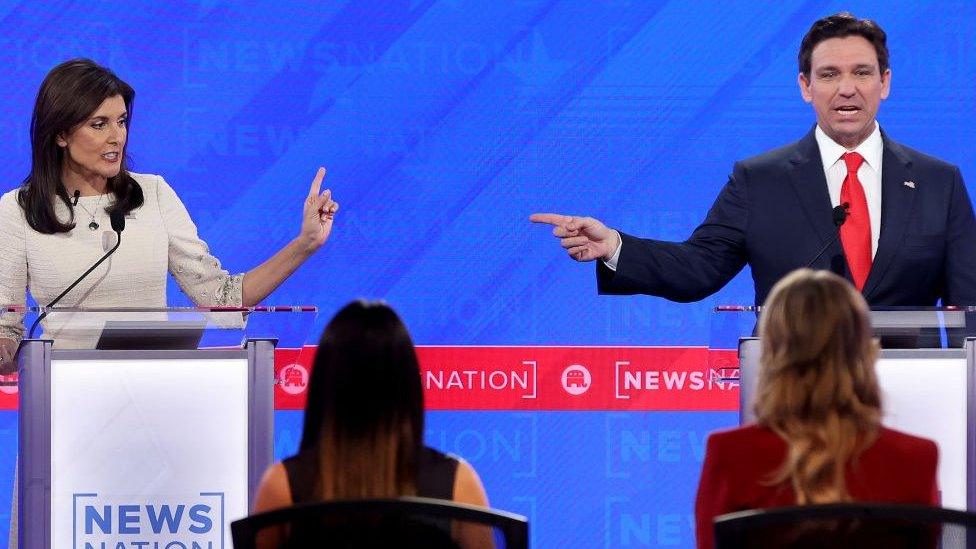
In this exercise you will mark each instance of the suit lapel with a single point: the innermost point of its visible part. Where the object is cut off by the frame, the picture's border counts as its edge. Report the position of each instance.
(897, 201)
(810, 183)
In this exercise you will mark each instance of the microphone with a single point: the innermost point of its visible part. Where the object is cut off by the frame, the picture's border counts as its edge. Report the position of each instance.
(77, 194)
(118, 225)
(117, 220)
(839, 216)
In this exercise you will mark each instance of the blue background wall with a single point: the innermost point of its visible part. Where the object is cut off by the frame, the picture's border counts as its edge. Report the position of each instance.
(444, 124)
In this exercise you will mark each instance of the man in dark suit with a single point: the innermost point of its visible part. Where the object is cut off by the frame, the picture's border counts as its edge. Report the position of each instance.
(907, 234)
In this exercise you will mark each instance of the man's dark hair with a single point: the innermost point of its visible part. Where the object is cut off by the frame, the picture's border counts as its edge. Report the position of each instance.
(842, 25)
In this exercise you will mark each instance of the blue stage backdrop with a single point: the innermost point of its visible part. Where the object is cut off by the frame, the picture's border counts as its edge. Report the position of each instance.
(443, 125)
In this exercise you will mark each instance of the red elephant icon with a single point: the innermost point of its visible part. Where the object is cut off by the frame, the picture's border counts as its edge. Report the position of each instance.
(293, 377)
(575, 378)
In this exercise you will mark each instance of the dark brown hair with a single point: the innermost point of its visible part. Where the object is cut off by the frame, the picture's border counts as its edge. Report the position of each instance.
(365, 411)
(70, 93)
(841, 25)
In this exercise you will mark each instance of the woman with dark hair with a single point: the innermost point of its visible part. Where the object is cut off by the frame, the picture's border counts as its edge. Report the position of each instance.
(364, 423)
(57, 224)
(818, 436)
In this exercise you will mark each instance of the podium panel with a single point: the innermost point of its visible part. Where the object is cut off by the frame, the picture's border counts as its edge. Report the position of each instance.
(160, 455)
(141, 448)
(925, 392)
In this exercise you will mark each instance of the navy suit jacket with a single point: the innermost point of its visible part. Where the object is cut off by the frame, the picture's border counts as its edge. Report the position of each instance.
(775, 215)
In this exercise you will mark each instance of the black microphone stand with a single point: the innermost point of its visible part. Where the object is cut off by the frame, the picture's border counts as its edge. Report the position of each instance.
(118, 225)
(839, 216)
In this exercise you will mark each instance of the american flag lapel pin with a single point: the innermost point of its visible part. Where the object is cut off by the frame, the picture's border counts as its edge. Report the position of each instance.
(909, 184)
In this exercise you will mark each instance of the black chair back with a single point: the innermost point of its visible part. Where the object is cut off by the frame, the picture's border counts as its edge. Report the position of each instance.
(408, 523)
(847, 525)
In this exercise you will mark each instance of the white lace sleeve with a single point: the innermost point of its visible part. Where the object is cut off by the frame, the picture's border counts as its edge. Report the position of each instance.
(13, 265)
(198, 273)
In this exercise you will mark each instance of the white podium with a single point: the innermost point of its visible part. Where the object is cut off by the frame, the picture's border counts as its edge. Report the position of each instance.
(925, 392)
(147, 449)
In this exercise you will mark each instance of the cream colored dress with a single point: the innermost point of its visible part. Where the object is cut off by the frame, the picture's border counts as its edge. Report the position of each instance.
(159, 237)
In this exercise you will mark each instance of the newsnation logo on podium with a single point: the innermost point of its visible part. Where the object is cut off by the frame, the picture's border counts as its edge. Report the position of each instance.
(157, 461)
(164, 523)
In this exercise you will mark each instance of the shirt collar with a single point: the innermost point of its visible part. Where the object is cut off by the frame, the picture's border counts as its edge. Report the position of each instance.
(871, 148)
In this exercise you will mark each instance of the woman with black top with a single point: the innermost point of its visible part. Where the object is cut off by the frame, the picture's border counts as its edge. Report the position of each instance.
(364, 423)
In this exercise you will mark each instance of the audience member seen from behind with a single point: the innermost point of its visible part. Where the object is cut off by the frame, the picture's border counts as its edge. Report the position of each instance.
(818, 436)
(364, 426)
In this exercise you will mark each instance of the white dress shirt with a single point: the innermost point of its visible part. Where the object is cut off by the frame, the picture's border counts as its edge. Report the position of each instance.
(869, 174)
(831, 155)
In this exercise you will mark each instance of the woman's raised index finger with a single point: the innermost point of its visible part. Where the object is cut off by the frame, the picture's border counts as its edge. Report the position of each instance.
(317, 183)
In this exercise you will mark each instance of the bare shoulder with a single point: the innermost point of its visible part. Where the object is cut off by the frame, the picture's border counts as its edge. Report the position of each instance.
(273, 491)
(467, 485)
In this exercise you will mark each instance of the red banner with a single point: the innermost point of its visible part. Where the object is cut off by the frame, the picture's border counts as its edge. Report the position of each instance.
(552, 378)
(8, 392)
(537, 378)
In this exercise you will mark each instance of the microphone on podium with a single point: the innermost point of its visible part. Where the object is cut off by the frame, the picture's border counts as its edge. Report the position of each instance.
(839, 216)
(118, 225)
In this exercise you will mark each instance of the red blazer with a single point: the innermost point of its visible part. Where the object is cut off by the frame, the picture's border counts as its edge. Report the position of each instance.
(897, 468)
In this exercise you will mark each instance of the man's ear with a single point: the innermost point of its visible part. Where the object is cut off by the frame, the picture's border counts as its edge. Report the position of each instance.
(804, 84)
(885, 83)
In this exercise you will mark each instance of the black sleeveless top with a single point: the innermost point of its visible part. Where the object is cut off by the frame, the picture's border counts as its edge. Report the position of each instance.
(435, 475)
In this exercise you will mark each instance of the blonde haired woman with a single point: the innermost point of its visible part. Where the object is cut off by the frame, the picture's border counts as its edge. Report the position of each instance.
(818, 437)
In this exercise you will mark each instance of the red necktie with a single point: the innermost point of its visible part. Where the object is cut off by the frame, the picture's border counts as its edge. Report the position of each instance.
(855, 233)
